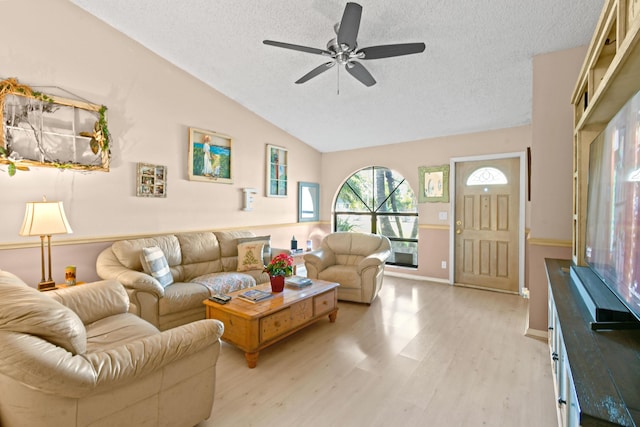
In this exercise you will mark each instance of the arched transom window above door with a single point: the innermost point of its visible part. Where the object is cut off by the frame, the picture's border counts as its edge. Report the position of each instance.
(487, 176)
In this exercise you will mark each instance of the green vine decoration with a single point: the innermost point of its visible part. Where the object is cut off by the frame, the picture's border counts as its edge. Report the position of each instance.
(102, 135)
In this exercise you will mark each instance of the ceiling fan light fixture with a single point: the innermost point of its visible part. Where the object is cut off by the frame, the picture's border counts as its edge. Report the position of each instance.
(343, 48)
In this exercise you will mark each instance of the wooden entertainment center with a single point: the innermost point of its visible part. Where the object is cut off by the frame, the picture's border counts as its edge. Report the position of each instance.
(594, 342)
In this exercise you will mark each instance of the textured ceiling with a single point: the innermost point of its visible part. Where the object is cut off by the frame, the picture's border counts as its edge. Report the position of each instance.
(475, 74)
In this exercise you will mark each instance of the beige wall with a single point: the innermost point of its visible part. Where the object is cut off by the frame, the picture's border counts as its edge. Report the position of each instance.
(554, 77)
(151, 106)
(406, 158)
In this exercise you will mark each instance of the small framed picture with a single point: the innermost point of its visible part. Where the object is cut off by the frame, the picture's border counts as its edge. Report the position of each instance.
(277, 171)
(434, 184)
(209, 156)
(151, 180)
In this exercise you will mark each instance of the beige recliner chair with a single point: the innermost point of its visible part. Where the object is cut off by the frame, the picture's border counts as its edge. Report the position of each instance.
(355, 260)
(76, 357)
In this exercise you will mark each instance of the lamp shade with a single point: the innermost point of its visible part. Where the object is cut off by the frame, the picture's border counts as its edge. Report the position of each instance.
(44, 218)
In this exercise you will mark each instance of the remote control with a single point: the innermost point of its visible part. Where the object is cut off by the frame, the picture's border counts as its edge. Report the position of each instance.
(220, 299)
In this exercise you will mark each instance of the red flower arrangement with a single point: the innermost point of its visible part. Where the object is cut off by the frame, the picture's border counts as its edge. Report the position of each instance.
(280, 265)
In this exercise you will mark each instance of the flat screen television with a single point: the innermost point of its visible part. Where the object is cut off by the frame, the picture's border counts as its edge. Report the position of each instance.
(612, 244)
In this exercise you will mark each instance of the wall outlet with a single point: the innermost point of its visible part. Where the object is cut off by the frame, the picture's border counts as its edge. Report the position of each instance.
(444, 264)
(442, 216)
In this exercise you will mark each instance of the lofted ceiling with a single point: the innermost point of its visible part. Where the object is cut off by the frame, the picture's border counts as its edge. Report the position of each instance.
(475, 73)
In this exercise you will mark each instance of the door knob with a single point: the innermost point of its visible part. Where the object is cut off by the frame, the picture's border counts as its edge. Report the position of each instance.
(458, 231)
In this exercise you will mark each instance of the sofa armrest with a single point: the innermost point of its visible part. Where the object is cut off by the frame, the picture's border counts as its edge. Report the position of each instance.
(108, 267)
(141, 282)
(94, 301)
(51, 369)
(141, 357)
(375, 259)
(320, 258)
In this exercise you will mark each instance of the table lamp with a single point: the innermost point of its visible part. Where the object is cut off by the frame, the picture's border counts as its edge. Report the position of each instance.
(44, 219)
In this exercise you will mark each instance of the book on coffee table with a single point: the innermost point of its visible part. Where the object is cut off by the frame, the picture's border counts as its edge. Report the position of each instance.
(298, 281)
(255, 295)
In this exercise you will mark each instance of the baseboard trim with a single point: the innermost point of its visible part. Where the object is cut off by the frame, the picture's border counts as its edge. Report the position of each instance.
(537, 334)
(415, 277)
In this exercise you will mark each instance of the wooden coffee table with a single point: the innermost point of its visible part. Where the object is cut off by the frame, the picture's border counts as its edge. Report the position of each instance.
(252, 327)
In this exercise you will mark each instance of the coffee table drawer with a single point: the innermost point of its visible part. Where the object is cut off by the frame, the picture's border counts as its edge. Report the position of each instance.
(301, 312)
(275, 324)
(324, 303)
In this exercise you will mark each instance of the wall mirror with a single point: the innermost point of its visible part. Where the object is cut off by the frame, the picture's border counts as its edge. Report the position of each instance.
(308, 201)
(46, 130)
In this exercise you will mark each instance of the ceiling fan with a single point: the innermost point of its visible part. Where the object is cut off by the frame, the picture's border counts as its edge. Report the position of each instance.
(343, 50)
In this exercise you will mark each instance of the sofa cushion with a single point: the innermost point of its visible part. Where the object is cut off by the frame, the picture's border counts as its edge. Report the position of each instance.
(113, 331)
(96, 301)
(222, 283)
(128, 251)
(200, 254)
(28, 311)
(199, 247)
(351, 248)
(182, 296)
(154, 263)
(346, 275)
(250, 256)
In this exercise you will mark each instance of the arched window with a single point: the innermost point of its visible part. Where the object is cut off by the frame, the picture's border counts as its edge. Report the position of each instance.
(487, 176)
(378, 200)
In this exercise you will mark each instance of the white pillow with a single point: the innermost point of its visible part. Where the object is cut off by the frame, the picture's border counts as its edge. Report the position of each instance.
(250, 256)
(155, 263)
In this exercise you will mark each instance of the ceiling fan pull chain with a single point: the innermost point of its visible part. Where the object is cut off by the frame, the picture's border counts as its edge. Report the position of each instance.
(338, 82)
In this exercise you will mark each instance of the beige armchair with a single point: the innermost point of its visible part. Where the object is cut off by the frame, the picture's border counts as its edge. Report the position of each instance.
(76, 357)
(355, 260)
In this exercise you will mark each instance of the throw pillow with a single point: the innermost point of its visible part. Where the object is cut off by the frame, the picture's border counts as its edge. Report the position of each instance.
(155, 263)
(250, 256)
(266, 249)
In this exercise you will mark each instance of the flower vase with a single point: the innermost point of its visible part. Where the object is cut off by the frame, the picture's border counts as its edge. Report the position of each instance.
(277, 283)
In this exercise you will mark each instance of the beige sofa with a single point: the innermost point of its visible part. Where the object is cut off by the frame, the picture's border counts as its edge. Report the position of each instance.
(355, 260)
(201, 264)
(77, 357)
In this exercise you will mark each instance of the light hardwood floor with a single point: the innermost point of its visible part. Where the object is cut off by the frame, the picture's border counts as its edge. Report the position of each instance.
(423, 354)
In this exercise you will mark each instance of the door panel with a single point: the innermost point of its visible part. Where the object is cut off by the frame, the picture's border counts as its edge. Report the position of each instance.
(486, 239)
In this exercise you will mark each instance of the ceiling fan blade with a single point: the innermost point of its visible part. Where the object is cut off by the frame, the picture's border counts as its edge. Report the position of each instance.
(318, 70)
(297, 47)
(349, 25)
(358, 71)
(389, 50)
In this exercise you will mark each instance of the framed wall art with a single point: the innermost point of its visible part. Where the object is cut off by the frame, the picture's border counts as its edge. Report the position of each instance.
(151, 180)
(434, 184)
(277, 170)
(209, 156)
(46, 130)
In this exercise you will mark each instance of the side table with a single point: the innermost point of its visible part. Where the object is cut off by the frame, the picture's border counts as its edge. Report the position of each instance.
(298, 259)
(61, 286)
